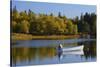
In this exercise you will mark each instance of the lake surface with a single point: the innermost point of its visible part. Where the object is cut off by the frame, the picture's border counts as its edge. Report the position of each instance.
(39, 52)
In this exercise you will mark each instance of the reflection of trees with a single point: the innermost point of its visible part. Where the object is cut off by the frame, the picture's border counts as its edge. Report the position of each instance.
(89, 49)
(20, 54)
(46, 52)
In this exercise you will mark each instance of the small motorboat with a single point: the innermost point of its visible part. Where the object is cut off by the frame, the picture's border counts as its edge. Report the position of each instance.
(77, 48)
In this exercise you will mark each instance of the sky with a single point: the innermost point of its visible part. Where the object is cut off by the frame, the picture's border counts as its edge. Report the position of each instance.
(69, 10)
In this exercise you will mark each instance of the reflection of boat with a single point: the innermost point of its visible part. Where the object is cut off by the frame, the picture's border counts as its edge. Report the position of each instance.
(80, 52)
(77, 48)
(64, 54)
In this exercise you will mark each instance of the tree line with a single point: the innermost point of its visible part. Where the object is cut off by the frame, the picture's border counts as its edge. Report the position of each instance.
(42, 24)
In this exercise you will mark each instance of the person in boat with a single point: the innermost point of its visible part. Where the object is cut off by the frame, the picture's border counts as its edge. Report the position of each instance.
(60, 48)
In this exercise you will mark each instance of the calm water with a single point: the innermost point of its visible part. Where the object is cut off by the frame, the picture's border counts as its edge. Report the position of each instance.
(39, 52)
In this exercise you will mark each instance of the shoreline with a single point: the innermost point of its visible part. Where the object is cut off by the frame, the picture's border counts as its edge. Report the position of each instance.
(20, 36)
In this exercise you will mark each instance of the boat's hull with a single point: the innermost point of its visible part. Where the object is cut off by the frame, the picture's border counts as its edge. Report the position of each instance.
(78, 48)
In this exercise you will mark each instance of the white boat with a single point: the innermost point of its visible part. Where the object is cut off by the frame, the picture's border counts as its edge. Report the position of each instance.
(77, 48)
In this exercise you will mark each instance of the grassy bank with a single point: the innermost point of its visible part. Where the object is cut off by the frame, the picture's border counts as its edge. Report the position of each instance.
(17, 36)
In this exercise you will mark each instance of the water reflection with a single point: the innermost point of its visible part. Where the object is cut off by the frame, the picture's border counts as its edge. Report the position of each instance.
(90, 49)
(21, 54)
(67, 53)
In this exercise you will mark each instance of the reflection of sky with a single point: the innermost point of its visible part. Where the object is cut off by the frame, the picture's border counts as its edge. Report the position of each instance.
(70, 10)
(49, 43)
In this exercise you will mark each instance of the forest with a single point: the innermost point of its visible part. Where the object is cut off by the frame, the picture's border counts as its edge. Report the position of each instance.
(28, 22)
